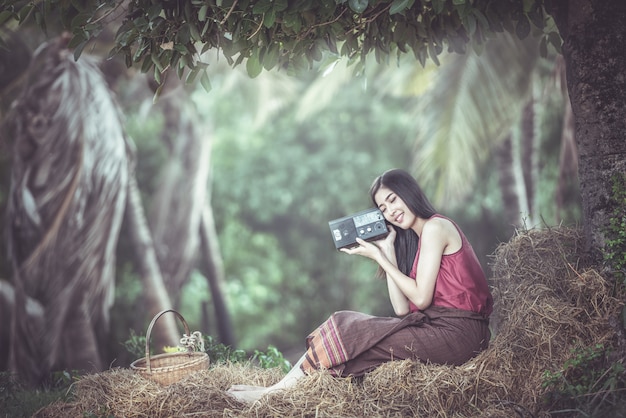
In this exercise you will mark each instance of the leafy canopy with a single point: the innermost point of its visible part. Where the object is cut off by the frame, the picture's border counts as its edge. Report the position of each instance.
(161, 35)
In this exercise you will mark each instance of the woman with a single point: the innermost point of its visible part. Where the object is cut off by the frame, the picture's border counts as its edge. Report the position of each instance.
(436, 286)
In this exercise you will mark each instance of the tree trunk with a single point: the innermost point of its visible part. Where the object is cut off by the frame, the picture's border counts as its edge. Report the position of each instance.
(568, 164)
(176, 210)
(594, 35)
(155, 294)
(214, 271)
(34, 313)
(507, 183)
(528, 144)
(68, 192)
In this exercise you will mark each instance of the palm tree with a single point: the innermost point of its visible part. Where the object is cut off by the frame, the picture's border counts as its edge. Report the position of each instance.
(473, 103)
(481, 103)
(474, 109)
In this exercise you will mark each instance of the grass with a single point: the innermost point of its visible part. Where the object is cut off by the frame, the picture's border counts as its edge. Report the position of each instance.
(16, 400)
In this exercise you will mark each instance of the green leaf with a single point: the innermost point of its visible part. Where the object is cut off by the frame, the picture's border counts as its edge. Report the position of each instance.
(192, 75)
(155, 60)
(80, 20)
(528, 4)
(432, 51)
(157, 92)
(481, 18)
(555, 40)
(270, 60)
(202, 13)
(399, 6)
(143, 46)
(40, 20)
(6, 15)
(205, 82)
(180, 70)
(261, 7)
(536, 16)
(184, 34)
(438, 6)
(187, 11)
(280, 5)
(206, 27)
(253, 66)
(154, 11)
(469, 22)
(269, 18)
(458, 2)
(181, 49)
(315, 52)
(358, 6)
(123, 33)
(25, 12)
(128, 59)
(195, 35)
(147, 64)
(422, 30)
(421, 54)
(79, 49)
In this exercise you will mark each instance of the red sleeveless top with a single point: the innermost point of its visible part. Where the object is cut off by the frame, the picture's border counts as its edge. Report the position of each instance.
(461, 281)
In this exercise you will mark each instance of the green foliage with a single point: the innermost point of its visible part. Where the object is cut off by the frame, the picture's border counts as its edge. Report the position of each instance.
(615, 239)
(158, 36)
(587, 383)
(220, 353)
(19, 401)
(128, 296)
(278, 184)
(271, 358)
(136, 344)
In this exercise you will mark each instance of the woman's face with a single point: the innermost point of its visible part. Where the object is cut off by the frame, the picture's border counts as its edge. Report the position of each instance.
(393, 208)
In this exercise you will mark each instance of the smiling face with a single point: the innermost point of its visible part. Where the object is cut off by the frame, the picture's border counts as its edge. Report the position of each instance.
(394, 209)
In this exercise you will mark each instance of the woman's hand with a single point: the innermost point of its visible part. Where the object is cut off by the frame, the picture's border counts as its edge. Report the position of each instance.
(386, 244)
(366, 249)
(374, 249)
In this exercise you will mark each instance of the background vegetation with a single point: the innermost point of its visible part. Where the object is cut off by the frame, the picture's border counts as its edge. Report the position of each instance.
(489, 136)
(290, 152)
(280, 176)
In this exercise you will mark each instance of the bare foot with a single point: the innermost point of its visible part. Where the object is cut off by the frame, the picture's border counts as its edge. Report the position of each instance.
(252, 394)
(239, 388)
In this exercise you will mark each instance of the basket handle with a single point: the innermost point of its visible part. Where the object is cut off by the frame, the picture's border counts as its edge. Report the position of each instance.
(157, 316)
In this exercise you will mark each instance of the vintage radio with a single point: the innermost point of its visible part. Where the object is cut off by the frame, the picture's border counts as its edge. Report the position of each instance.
(368, 225)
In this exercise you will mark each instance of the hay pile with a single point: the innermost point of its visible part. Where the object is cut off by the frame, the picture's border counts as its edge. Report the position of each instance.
(545, 307)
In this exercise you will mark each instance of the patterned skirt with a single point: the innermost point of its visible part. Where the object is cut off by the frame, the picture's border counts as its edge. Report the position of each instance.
(353, 343)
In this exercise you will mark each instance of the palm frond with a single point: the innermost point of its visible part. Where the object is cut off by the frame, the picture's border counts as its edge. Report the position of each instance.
(474, 101)
(403, 78)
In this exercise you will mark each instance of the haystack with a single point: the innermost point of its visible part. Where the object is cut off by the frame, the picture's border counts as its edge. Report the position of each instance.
(546, 306)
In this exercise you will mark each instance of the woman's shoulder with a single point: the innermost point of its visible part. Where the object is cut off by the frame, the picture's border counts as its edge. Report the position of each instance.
(439, 225)
(446, 229)
(438, 221)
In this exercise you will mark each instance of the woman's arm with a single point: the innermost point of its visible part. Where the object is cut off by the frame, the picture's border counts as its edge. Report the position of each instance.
(421, 290)
(398, 300)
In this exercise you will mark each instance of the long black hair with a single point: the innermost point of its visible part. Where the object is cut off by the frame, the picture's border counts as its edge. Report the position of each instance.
(406, 187)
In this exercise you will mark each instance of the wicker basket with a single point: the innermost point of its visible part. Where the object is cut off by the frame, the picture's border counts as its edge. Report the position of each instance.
(169, 367)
